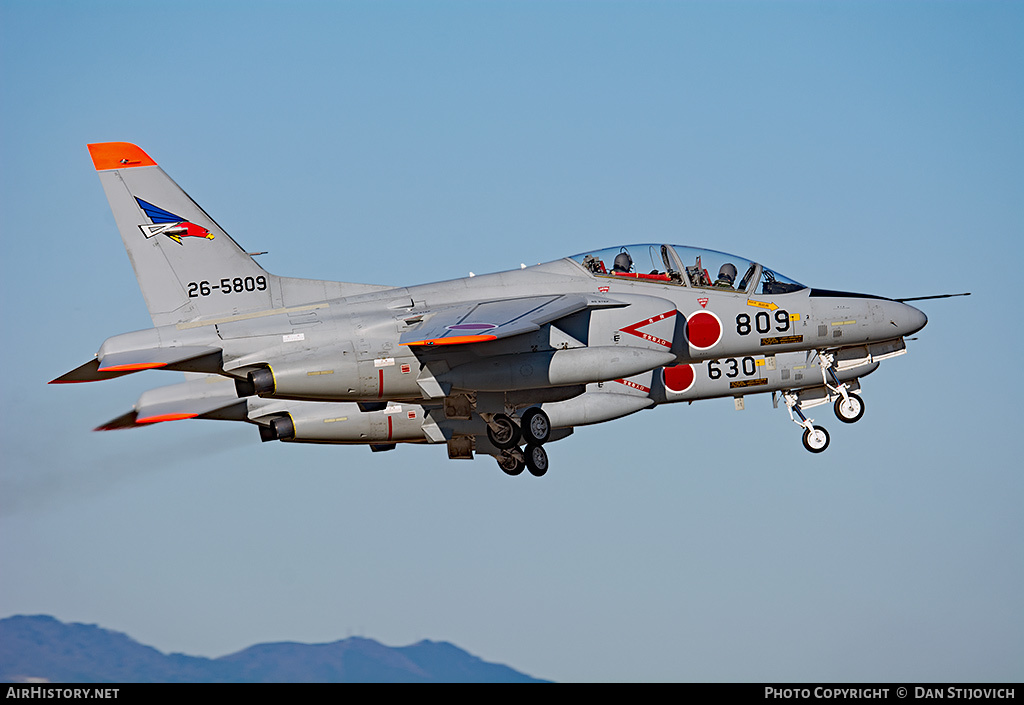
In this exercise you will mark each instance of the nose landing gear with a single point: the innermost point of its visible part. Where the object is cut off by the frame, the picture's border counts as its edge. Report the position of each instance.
(815, 438)
(849, 407)
(848, 404)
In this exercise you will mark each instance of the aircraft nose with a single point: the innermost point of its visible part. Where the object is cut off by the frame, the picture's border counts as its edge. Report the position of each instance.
(909, 320)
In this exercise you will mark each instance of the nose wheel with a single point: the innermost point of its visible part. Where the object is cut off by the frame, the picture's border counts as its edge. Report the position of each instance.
(849, 409)
(815, 438)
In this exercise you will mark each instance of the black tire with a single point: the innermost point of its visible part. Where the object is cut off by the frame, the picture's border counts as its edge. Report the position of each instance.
(818, 442)
(507, 435)
(536, 460)
(852, 412)
(510, 465)
(536, 426)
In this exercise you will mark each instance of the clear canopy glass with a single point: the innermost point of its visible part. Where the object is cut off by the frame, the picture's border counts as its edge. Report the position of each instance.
(693, 267)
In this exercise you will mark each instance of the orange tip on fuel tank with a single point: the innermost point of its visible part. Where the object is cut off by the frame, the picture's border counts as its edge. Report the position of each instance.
(118, 155)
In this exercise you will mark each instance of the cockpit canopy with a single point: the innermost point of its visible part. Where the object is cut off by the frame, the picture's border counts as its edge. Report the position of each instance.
(685, 266)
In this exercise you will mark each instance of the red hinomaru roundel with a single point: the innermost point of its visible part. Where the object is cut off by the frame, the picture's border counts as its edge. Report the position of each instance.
(678, 378)
(703, 330)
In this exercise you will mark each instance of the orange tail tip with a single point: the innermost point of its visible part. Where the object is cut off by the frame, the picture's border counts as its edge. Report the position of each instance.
(118, 155)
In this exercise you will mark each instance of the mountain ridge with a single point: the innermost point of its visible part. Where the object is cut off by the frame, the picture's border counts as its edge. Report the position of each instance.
(36, 648)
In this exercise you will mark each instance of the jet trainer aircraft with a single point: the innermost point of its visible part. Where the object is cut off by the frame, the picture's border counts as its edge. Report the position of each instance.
(499, 364)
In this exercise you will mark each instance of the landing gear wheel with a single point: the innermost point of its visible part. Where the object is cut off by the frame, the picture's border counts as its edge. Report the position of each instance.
(536, 460)
(849, 410)
(507, 434)
(536, 426)
(816, 439)
(510, 465)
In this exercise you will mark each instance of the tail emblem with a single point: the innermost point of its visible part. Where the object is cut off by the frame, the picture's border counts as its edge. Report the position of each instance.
(166, 223)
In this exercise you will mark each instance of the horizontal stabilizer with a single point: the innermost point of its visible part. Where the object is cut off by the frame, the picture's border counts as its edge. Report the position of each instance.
(135, 360)
(482, 321)
(189, 400)
(89, 372)
(178, 411)
(122, 421)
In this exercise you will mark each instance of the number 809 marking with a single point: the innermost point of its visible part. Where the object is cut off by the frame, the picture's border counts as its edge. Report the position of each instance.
(762, 322)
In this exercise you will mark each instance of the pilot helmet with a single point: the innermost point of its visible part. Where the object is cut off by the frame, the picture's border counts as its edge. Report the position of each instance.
(623, 262)
(728, 271)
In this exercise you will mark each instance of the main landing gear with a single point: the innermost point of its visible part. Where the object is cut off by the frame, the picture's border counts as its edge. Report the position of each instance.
(849, 407)
(503, 432)
(506, 434)
(533, 458)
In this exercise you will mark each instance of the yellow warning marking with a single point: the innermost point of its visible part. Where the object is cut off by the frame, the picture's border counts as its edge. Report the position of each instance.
(842, 323)
(782, 340)
(762, 304)
(759, 363)
(794, 316)
(339, 418)
(740, 384)
(319, 372)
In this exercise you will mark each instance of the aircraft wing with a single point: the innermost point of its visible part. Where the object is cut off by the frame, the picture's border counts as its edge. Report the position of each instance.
(482, 321)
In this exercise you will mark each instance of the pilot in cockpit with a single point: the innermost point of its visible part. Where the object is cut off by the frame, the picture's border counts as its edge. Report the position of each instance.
(623, 263)
(726, 276)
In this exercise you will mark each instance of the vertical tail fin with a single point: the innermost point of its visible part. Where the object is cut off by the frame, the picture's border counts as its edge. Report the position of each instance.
(186, 265)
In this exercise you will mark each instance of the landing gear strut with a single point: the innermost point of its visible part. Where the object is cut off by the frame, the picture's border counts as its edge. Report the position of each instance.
(849, 407)
(815, 437)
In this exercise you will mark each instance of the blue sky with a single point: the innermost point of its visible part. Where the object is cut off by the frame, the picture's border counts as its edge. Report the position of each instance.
(861, 146)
